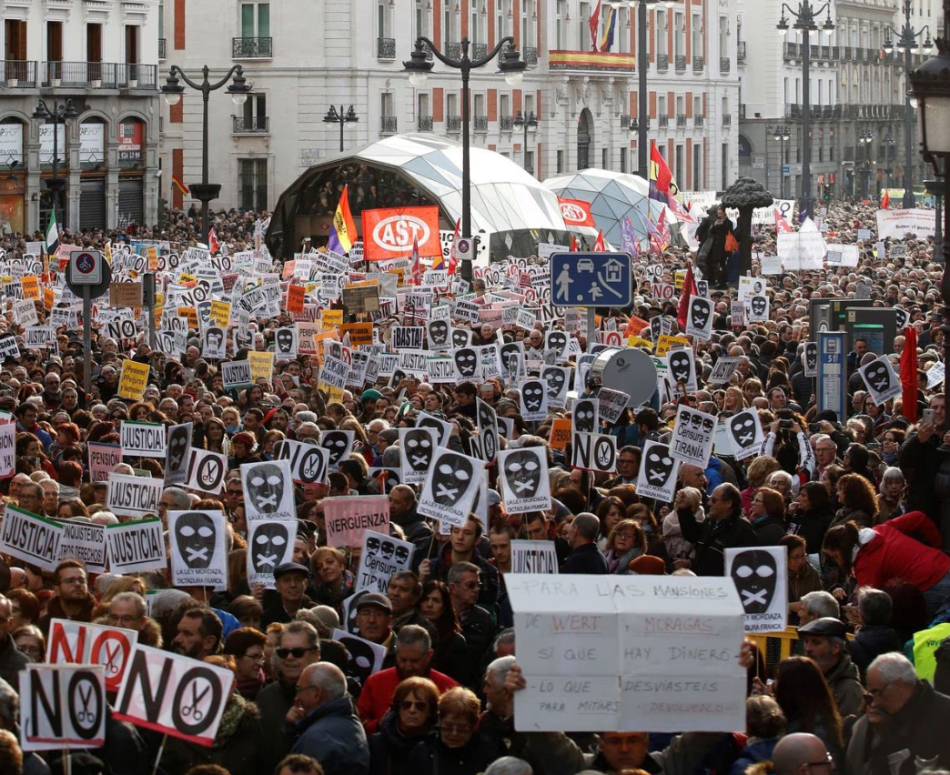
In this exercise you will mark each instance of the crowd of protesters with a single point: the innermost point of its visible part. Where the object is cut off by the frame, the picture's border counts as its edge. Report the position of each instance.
(866, 689)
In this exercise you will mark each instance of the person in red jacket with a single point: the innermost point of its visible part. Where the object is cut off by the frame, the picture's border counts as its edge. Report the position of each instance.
(413, 655)
(883, 553)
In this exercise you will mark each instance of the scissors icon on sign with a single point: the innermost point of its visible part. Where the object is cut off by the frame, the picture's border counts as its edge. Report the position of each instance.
(85, 716)
(192, 710)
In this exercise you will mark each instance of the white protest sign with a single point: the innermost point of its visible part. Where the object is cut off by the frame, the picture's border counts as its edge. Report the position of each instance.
(143, 439)
(693, 436)
(723, 370)
(135, 547)
(348, 519)
(746, 434)
(699, 320)
(9, 347)
(682, 369)
(523, 479)
(269, 544)
(936, 374)
(533, 557)
(658, 472)
(770, 265)
(174, 695)
(134, 496)
(595, 452)
(103, 458)
(81, 643)
(268, 490)
(416, 449)
(843, 255)
(751, 286)
(7, 450)
(611, 404)
(86, 542)
(534, 400)
(178, 456)
(451, 487)
(31, 538)
(367, 657)
(810, 359)
(236, 374)
(654, 654)
(308, 462)
(761, 579)
(881, 381)
(206, 471)
(899, 223)
(61, 707)
(757, 309)
(383, 556)
(199, 549)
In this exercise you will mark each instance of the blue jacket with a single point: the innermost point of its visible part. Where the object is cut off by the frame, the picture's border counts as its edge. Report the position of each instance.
(758, 751)
(334, 736)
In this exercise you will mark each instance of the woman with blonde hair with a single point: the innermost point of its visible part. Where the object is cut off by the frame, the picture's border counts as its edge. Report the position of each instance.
(625, 542)
(757, 475)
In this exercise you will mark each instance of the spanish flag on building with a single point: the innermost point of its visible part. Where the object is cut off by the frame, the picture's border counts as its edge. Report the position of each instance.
(185, 191)
(343, 230)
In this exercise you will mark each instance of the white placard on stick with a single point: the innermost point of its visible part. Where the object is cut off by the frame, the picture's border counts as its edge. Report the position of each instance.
(451, 487)
(134, 496)
(199, 549)
(383, 556)
(62, 707)
(82, 643)
(86, 542)
(523, 479)
(136, 547)
(269, 544)
(880, 379)
(658, 472)
(745, 432)
(143, 439)
(533, 557)
(30, 537)
(693, 436)
(761, 578)
(268, 490)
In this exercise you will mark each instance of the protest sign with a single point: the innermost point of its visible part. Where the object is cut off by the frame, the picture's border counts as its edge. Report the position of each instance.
(143, 439)
(595, 452)
(62, 707)
(533, 557)
(757, 308)
(654, 656)
(383, 556)
(214, 343)
(416, 449)
(699, 320)
(560, 433)
(682, 370)
(487, 423)
(443, 429)
(347, 519)
(936, 375)
(723, 370)
(523, 479)
(31, 538)
(262, 365)
(693, 436)
(899, 223)
(103, 458)
(269, 544)
(9, 347)
(268, 490)
(534, 400)
(745, 431)
(881, 381)
(801, 251)
(174, 695)
(761, 579)
(236, 374)
(308, 462)
(133, 380)
(665, 343)
(134, 496)
(80, 643)
(7, 450)
(178, 453)
(135, 547)
(206, 471)
(366, 657)
(810, 359)
(658, 472)
(86, 542)
(451, 487)
(199, 549)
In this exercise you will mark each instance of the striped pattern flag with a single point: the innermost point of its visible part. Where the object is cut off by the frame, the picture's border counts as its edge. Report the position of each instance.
(52, 235)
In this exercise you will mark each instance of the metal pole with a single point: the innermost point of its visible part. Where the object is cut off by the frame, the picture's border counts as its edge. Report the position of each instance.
(938, 236)
(643, 63)
(805, 205)
(87, 340)
(467, 268)
(59, 224)
(341, 128)
(908, 117)
(591, 327)
(205, 214)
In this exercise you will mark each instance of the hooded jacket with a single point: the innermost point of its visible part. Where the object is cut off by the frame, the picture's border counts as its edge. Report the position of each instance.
(845, 682)
(389, 748)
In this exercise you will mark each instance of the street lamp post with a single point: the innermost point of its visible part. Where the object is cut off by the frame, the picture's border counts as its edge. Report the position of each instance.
(205, 192)
(341, 118)
(531, 122)
(783, 135)
(805, 22)
(61, 112)
(865, 138)
(512, 66)
(931, 88)
(906, 42)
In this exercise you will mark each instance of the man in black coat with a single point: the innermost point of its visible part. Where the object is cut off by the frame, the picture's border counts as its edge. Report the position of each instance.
(725, 527)
(585, 557)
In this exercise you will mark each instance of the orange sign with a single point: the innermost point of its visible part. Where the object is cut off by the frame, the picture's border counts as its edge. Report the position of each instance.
(389, 232)
(576, 212)
(31, 287)
(361, 334)
(560, 433)
(295, 298)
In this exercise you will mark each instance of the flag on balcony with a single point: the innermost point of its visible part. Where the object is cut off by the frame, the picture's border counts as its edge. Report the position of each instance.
(662, 186)
(415, 264)
(176, 181)
(595, 25)
(610, 25)
(886, 200)
(343, 230)
(52, 235)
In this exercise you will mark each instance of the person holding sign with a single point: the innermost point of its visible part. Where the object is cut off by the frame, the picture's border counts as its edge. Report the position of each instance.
(723, 527)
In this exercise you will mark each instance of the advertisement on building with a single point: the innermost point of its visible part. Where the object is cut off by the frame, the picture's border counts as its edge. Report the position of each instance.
(11, 143)
(46, 143)
(92, 143)
(131, 137)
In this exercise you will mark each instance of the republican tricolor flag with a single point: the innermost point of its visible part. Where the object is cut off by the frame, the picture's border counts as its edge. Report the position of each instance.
(343, 231)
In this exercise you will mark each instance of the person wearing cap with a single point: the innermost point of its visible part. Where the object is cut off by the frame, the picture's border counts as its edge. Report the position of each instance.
(824, 641)
(374, 616)
(368, 401)
(243, 450)
(282, 603)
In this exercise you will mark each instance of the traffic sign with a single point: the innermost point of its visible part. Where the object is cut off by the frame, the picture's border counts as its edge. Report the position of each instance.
(464, 249)
(786, 169)
(591, 280)
(85, 267)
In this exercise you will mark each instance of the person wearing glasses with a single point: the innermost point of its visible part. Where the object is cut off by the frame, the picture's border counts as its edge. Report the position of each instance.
(323, 725)
(72, 600)
(410, 719)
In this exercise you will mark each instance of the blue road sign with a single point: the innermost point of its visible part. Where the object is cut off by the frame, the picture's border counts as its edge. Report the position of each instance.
(591, 280)
(833, 373)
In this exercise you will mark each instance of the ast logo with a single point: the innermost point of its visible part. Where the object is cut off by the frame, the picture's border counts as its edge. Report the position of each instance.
(389, 233)
(397, 232)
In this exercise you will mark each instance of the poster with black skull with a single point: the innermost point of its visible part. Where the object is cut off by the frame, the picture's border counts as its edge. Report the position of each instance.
(206, 471)
(285, 343)
(466, 364)
(199, 549)
(417, 448)
(745, 430)
(658, 472)
(511, 355)
(461, 337)
(882, 383)
(900, 319)
(810, 359)
(558, 343)
(450, 487)
(487, 430)
(269, 544)
(586, 415)
(595, 452)
(534, 400)
(214, 345)
(681, 368)
(338, 445)
(365, 657)
(242, 339)
(442, 428)
(757, 309)
(523, 479)
(383, 556)
(268, 490)
(178, 453)
(761, 579)
(439, 335)
(558, 380)
(693, 436)
(699, 318)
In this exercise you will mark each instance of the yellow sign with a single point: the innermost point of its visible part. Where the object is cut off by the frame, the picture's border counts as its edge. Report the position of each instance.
(679, 278)
(667, 343)
(188, 280)
(49, 298)
(636, 341)
(152, 252)
(31, 287)
(133, 380)
(192, 314)
(319, 339)
(560, 433)
(361, 334)
(220, 313)
(331, 319)
(262, 365)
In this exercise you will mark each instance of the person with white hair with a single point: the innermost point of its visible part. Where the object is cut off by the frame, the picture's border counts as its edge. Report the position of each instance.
(905, 724)
(509, 765)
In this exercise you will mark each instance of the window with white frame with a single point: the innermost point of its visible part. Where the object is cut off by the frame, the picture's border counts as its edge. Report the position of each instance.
(661, 48)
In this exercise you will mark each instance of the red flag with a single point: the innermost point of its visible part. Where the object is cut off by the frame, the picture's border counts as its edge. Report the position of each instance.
(573, 243)
(594, 26)
(656, 244)
(909, 374)
(886, 200)
(213, 245)
(781, 225)
(689, 289)
(415, 264)
(600, 246)
(453, 259)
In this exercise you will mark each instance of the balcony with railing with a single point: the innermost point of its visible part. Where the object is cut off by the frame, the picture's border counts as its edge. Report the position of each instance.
(741, 51)
(625, 122)
(664, 121)
(161, 49)
(453, 124)
(680, 120)
(388, 125)
(453, 49)
(386, 48)
(530, 55)
(255, 125)
(727, 119)
(699, 64)
(252, 48)
(699, 121)
(680, 63)
(95, 75)
(480, 123)
(662, 63)
(506, 123)
(424, 123)
(20, 73)
(725, 65)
